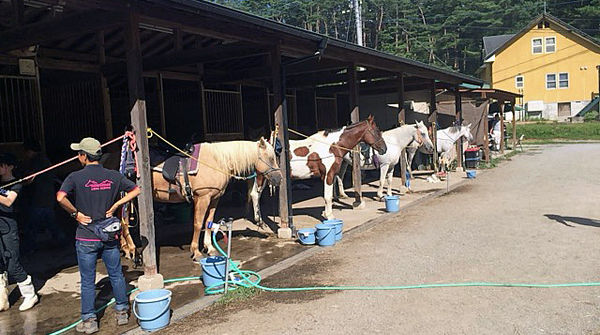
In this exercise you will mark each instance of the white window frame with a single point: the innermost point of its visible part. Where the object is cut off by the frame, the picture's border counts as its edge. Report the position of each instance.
(558, 80)
(541, 45)
(555, 81)
(546, 44)
(517, 82)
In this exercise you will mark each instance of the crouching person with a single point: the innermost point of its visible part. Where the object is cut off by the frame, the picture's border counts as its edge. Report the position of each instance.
(95, 190)
(9, 243)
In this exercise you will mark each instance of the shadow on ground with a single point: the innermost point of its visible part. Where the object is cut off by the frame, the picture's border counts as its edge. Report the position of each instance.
(573, 219)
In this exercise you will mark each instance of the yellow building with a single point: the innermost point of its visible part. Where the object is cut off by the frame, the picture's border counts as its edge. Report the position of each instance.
(552, 64)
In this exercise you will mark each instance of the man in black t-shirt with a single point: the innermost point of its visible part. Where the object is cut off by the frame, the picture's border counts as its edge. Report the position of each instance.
(95, 190)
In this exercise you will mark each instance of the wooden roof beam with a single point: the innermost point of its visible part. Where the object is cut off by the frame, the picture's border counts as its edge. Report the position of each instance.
(186, 57)
(59, 28)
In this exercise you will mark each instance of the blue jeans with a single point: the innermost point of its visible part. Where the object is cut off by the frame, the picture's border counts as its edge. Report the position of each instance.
(9, 260)
(87, 255)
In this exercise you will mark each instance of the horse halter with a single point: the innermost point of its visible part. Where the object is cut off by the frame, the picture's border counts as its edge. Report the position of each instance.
(370, 130)
(270, 167)
(419, 137)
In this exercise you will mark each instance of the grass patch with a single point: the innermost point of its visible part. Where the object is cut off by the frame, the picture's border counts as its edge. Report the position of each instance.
(237, 295)
(554, 131)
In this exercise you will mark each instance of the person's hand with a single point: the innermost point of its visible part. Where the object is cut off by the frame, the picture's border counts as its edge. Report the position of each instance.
(83, 219)
(111, 211)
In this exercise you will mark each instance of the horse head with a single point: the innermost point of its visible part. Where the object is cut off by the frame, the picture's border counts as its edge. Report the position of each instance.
(422, 137)
(466, 132)
(372, 135)
(267, 163)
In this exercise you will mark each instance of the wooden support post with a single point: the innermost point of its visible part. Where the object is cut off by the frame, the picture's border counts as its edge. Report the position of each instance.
(18, 12)
(486, 130)
(514, 124)
(401, 121)
(459, 118)
(151, 279)
(502, 128)
(279, 103)
(104, 92)
(314, 95)
(355, 117)
(178, 42)
(433, 113)
(161, 104)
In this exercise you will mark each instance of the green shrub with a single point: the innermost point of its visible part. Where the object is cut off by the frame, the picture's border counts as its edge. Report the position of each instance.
(590, 116)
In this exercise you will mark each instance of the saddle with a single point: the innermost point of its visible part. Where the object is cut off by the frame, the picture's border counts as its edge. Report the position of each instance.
(176, 164)
(365, 151)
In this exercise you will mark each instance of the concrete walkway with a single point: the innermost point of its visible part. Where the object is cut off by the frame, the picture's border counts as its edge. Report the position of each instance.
(532, 220)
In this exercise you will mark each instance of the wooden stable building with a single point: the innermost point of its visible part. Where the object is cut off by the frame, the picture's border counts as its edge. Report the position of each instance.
(76, 68)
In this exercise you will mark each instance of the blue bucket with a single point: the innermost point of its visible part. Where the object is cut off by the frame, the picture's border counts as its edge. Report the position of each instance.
(306, 235)
(213, 270)
(151, 308)
(325, 234)
(339, 225)
(471, 174)
(392, 203)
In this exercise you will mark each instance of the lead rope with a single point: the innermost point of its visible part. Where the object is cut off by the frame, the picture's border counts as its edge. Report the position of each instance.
(153, 133)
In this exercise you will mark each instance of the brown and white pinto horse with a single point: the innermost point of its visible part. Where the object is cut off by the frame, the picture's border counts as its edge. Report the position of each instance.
(321, 155)
(220, 161)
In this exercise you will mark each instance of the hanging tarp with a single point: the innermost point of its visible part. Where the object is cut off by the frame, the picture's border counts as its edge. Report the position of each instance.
(474, 112)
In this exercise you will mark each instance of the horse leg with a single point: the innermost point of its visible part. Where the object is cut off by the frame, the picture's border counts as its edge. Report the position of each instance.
(127, 244)
(328, 195)
(207, 233)
(339, 178)
(390, 177)
(200, 207)
(382, 173)
(254, 197)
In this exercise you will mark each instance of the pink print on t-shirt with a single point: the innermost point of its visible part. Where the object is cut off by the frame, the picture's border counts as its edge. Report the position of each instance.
(96, 186)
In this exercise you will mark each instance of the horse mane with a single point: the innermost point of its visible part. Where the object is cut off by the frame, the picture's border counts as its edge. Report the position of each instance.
(238, 157)
(350, 126)
(454, 129)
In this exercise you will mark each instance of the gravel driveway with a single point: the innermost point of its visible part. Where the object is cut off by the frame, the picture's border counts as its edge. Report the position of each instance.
(531, 220)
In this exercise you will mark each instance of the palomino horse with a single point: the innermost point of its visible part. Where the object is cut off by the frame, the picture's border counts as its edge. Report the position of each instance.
(321, 156)
(445, 144)
(220, 161)
(397, 140)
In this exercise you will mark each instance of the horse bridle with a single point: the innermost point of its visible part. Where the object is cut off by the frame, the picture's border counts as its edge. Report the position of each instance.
(419, 138)
(270, 169)
(370, 130)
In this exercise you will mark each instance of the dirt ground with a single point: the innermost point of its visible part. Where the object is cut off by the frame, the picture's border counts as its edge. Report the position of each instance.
(532, 220)
(56, 275)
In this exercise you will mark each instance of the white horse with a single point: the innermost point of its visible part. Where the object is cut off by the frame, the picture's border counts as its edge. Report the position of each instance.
(321, 155)
(397, 140)
(445, 144)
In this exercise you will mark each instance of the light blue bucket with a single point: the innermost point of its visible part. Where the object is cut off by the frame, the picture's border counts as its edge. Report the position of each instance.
(392, 203)
(151, 308)
(325, 234)
(306, 235)
(339, 225)
(471, 174)
(213, 270)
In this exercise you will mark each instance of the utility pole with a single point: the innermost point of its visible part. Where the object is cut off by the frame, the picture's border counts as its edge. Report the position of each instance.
(545, 7)
(358, 18)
